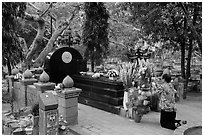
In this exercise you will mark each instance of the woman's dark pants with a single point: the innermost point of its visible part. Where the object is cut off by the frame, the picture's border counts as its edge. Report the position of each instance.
(168, 120)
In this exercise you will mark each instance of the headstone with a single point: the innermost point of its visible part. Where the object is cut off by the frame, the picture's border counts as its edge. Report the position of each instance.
(68, 104)
(62, 62)
(48, 114)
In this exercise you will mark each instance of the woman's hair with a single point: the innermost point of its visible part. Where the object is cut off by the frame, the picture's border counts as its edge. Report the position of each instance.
(167, 78)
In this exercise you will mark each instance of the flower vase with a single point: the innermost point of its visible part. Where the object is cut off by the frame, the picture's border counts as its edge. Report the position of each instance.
(137, 116)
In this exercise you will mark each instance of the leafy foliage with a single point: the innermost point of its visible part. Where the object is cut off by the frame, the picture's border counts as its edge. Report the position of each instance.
(11, 48)
(95, 34)
(164, 21)
(123, 34)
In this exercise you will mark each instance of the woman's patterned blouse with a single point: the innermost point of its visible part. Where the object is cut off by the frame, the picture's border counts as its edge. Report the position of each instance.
(167, 97)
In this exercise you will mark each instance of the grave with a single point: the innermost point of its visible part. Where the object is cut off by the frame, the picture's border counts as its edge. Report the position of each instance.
(101, 93)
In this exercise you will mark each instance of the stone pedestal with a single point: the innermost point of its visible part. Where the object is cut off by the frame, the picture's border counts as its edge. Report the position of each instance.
(48, 114)
(19, 96)
(68, 105)
(25, 83)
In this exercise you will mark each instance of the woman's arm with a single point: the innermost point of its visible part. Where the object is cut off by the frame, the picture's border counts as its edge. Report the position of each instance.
(158, 88)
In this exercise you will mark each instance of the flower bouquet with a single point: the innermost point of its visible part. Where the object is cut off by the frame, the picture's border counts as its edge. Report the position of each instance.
(127, 74)
(137, 79)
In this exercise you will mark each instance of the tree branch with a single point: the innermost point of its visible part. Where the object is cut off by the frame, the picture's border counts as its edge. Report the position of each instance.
(39, 37)
(50, 6)
(33, 6)
(60, 28)
(31, 17)
(37, 30)
(125, 24)
(115, 42)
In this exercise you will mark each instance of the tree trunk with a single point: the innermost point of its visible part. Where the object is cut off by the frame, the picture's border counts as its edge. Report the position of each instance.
(183, 58)
(8, 63)
(196, 35)
(50, 43)
(188, 67)
(92, 61)
(37, 41)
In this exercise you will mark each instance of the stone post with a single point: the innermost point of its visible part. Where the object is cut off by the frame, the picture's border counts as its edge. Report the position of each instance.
(27, 80)
(10, 87)
(68, 104)
(25, 83)
(19, 96)
(48, 114)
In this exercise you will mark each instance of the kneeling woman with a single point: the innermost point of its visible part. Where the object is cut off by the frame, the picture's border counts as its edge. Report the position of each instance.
(168, 104)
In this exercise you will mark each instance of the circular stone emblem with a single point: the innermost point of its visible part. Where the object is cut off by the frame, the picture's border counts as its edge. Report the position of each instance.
(66, 57)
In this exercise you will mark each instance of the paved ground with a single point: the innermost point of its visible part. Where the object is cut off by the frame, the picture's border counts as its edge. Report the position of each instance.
(92, 121)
